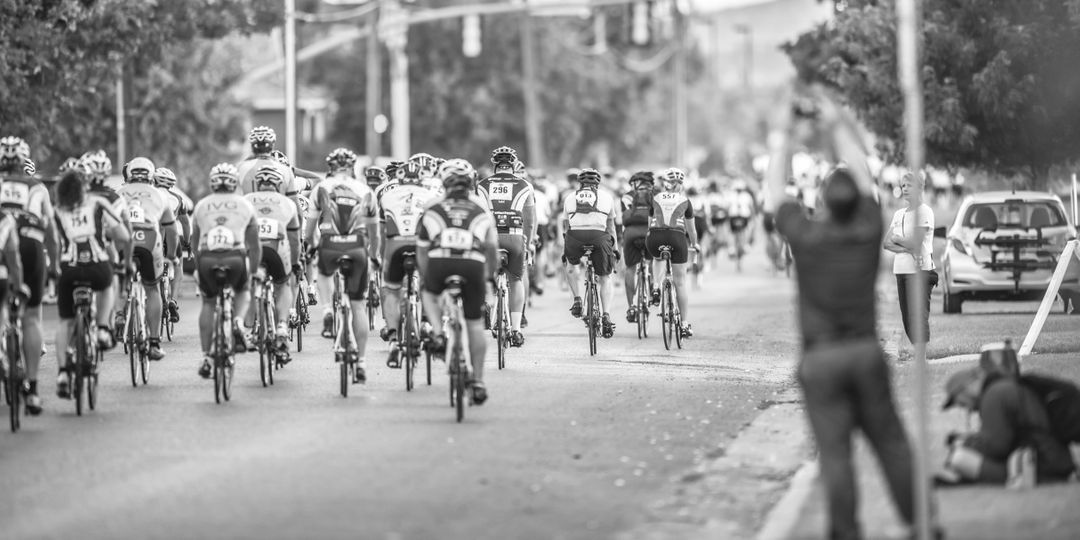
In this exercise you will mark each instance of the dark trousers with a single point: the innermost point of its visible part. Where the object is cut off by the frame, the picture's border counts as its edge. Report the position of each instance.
(846, 387)
(904, 283)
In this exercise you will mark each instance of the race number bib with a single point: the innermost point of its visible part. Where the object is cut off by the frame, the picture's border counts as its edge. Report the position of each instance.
(220, 238)
(269, 229)
(585, 199)
(81, 224)
(407, 225)
(136, 213)
(15, 193)
(501, 191)
(456, 239)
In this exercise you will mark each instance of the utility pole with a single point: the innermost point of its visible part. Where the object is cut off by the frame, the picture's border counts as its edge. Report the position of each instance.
(394, 24)
(533, 133)
(679, 113)
(121, 121)
(748, 56)
(290, 79)
(373, 95)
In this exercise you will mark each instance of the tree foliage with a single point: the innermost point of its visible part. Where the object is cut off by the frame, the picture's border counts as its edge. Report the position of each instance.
(1001, 87)
(62, 59)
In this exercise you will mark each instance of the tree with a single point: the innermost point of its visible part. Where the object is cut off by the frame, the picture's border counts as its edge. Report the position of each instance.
(1000, 84)
(62, 59)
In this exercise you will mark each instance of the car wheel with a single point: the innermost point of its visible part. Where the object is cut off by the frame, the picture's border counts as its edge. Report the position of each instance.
(951, 302)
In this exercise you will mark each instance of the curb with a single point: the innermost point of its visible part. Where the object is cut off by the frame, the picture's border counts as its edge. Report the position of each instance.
(784, 517)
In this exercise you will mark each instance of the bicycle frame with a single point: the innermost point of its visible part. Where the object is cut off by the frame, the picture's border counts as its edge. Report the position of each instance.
(221, 348)
(344, 348)
(642, 290)
(457, 344)
(136, 332)
(592, 299)
(501, 328)
(265, 326)
(670, 316)
(83, 372)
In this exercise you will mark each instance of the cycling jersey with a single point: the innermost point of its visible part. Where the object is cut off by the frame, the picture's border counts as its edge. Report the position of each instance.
(7, 232)
(276, 215)
(400, 209)
(82, 231)
(246, 171)
(344, 206)
(507, 196)
(27, 200)
(588, 209)
(115, 200)
(742, 204)
(456, 228)
(670, 210)
(222, 220)
(383, 189)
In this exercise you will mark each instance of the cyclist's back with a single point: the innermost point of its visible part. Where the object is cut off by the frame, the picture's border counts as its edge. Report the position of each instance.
(249, 167)
(27, 201)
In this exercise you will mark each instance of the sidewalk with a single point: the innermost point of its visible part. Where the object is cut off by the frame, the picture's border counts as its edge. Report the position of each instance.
(984, 512)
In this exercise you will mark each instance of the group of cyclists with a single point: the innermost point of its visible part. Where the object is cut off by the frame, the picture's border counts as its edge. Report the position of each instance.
(265, 219)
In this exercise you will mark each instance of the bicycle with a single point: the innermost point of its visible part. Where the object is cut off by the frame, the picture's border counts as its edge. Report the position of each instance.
(222, 346)
(409, 329)
(14, 380)
(457, 343)
(670, 317)
(168, 327)
(738, 229)
(136, 334)
(87, 356)
(265, 324)
(345, 353)
(592, 315)
(643, 283)
(501, 329)
(304, 299)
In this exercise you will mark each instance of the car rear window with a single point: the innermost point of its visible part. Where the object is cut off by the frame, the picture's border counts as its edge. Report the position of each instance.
(1023, 214)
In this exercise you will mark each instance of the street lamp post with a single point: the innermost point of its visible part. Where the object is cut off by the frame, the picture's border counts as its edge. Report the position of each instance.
(290, 79)
(373, 95)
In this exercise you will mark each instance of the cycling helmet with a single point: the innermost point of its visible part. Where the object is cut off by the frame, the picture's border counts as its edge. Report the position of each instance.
(341, 159)
(457, 174)
(375, 174)
(268, 178)
(589, 176)
(673, 176)
(281, 158)
(503, 154)
(164, 178)
(29, 167)
(224, 177)
(425, 160)
(140, 169)
(96, 165)
(642, 178)
(70, 164)
(393, 167)
(410, 173)
(262, 139)
(13, 153)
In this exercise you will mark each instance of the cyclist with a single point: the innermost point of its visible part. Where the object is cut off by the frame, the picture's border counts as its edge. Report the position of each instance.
(375, 177)
(26, 200)
(741, 209)
(457, 237)
(223, 229)
(510, 199)
(11, 278)
(181, 206)
(87, 224)
(588, 217)
(671, 223)
(303, 180)
(262, 141)
(394, 170)
(279, 234)
(153, 240)
(399, 216)
(96, 167)
(345, 212)
(635, 207)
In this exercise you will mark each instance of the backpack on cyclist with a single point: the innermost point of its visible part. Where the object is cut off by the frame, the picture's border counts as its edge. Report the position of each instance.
(638, 211)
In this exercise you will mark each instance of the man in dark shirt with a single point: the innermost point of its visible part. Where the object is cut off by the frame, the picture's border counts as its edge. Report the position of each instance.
(843, 373)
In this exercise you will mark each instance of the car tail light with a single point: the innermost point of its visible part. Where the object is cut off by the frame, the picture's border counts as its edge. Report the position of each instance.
(959, 246)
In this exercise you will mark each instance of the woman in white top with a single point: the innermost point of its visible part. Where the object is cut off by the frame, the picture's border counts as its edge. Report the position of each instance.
(912, 259)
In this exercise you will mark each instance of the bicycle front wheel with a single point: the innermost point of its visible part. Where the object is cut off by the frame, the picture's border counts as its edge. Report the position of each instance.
(667, 315)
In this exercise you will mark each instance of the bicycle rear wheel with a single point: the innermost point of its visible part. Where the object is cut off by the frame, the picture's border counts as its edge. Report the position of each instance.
(343, 362)
(227, 378)
(678, 327)
(501, 337)
(80, 361)
(144, 365)
(92, 381)
(458, 384)
(593, 316)
(642, 303)
(219, 381)
(667, 315)
(13, 383)
(301, 314)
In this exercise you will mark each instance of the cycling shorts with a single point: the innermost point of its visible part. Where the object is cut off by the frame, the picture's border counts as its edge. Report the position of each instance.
(394, 259)
(738, 223)
(473, 290)
(676, 238)
(603, 254)
(634, 245)
(514, 244)
(234, 261)
(35, 270)
(150, 264)
(330, 250)
(98, 276)
(275, 267)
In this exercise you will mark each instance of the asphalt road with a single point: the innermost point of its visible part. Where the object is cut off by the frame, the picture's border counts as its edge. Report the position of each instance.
(567, 446)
